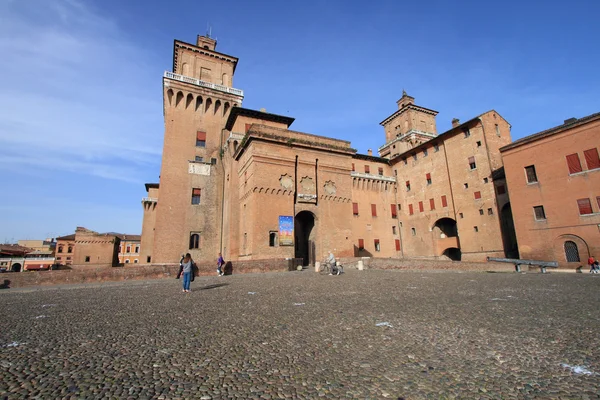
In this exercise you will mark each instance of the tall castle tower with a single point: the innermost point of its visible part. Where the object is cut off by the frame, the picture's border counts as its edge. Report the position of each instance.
(197, 98)
(408, 127)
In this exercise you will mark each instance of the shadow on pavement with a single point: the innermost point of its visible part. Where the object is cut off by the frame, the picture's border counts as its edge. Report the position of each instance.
(216, 285)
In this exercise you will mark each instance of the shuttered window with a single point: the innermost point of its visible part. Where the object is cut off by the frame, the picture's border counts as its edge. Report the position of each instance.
(432, 204)
(428, 178)
(585, 206)
(361, 244)
(200, 139)
(407, 186)
(248, 127)
(410, 209)
(573, 163)
(367, 169)
(355, 208)
(374, 210)
(477, 195)
(376, 243)
(196, 196)
(380, 171)
(421, 209)
(397, 244)
(394, 211)
(444, 202)
(591, 158)
(352, 166)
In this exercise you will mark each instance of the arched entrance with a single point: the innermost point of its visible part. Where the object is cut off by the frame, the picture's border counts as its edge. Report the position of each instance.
(445, 227)
(509, 236)
(304, 237)
(452, 253)
(16, 267)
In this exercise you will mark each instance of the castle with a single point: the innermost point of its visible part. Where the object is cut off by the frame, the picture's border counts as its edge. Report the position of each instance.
(241, 182)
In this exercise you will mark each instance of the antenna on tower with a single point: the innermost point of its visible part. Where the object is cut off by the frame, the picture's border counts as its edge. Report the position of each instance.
(208, 29)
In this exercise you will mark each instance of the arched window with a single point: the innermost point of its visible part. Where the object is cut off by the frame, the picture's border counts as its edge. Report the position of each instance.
(70, 249)
(571, 251)
(194, 241)
(60, 249)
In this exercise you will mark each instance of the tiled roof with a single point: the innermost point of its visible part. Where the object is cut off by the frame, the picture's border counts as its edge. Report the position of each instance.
(570, 123)
(14, 249)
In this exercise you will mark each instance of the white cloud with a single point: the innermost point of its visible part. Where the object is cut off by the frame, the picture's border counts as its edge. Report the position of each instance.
(77, 96)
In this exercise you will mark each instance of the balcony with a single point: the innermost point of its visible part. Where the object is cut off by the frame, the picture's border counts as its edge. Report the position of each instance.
(198, 82)
(355, 174)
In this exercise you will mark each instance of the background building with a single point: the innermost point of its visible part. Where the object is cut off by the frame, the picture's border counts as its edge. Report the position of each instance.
(554, 182)
(129, 249)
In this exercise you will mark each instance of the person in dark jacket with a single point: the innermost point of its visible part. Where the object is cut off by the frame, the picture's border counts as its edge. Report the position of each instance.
(180, 267)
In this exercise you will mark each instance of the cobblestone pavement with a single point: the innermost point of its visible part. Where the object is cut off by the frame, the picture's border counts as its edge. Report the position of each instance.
(368, 335)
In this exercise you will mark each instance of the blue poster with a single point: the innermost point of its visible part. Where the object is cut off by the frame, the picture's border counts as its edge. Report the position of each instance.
(286, 230)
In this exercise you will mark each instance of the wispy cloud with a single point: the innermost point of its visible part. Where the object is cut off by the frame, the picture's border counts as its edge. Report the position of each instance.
(76, 94)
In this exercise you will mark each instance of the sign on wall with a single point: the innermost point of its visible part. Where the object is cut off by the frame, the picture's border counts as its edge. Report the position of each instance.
(286, 230)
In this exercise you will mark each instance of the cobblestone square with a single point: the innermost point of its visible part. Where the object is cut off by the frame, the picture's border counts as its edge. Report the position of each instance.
(367, 335)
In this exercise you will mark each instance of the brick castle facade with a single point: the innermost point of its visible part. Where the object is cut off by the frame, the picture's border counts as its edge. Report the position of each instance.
(241, 182)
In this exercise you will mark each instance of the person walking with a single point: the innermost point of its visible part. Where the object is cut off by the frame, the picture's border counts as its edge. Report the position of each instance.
(220, 263)
(180, 267)
(187, 272)
(591, 262)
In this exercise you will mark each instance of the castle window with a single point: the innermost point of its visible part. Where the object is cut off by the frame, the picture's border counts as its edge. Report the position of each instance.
(374, 210)
(60, 249)
(361, 244)
(467, 132)
(376, 242)
(428, 177)
(432, 204)
(70, 249)
(194, 241)
(485, 180)
(367, 169)
(472, 164)
(199, 159)
(137, 249)
(393, 230)
(394, 212)
(481, 211)
(476, 229)
(421, 208)
(414, 156)
(148, 259)
(200, 139)
(397, 241)
(413, 231)
(478, 143)
(87, 258)
(530, 174)
(410, 209)
(477, 195)
(490, 211)
(405, 161)
(444, 201)
(354, 208)
(408, 186)
(380, 171)
(128, 249)
(497, 128)
(436, 147)
(424, 152)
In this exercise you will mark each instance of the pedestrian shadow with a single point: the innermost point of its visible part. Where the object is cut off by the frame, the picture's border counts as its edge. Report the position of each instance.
(5, 285)
(216, 285)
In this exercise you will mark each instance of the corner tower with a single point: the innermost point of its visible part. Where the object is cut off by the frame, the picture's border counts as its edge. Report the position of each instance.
(408, 127)
(197, 98)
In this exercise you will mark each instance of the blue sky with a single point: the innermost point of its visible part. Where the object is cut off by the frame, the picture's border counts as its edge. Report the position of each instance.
(81, 123)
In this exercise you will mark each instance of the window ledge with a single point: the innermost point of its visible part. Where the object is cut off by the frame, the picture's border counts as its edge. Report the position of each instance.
(590, 215)
(585, 172)
(541, 220)
(533, 183)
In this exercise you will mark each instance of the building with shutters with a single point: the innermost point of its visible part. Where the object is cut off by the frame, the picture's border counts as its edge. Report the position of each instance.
(241, 182)
(554, 181)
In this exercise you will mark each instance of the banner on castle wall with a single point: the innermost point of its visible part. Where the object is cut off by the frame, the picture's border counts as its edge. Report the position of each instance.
(286, 230)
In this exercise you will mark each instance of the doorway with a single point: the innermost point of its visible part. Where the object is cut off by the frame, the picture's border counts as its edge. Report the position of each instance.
(304, 237)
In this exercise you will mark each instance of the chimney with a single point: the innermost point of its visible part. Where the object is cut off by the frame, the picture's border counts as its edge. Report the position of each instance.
(370, 152)
(455, 122)
(570, 120)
